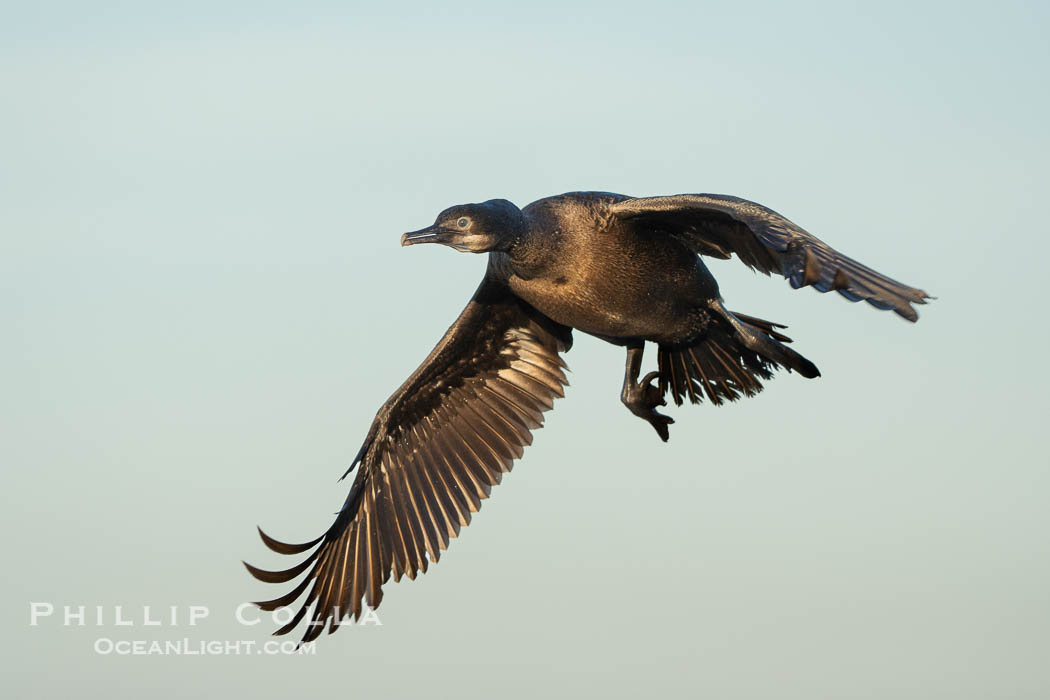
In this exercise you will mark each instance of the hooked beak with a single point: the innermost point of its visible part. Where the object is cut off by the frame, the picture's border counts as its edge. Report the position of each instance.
(430, 234)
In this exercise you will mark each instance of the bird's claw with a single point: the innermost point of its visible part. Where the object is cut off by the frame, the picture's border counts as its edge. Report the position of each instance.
(652, 394)
(660, 422)
(643, 398)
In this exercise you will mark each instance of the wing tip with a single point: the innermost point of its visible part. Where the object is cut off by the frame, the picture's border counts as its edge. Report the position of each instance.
(285, 547)
(282, 576)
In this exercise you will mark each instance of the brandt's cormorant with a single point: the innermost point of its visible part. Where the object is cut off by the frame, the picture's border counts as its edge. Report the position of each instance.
(627, 270)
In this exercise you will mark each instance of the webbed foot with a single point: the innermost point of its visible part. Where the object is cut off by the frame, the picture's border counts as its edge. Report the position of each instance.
(643, 398)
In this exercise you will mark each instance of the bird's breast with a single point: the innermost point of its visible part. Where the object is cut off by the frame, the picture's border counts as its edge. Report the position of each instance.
(608, 288)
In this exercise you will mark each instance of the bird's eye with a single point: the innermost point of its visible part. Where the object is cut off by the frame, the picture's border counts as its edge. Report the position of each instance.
(463, 223)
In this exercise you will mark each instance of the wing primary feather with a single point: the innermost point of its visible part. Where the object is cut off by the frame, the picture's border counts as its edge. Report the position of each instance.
(414, 519)
(294, 622)
(444, 494)
(400, 534)
(433, 522)
(284, 548)
(489, 434)
(374, 559)
(360, 569)
(479, 485)
(454, 500)
(287, 599)
(527, 409)
(407, 520)
(504, 422)
(536, 391)
(423, 517)
(280, 576)
(509, 413)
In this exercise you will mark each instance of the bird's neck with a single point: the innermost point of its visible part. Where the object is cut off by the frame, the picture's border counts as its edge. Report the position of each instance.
(529, 255)
(521, 258)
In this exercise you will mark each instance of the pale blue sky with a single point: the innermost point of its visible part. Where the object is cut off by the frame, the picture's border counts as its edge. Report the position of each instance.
(205, 303)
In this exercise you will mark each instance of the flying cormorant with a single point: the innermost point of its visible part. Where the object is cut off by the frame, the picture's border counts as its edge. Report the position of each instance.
(627, 270)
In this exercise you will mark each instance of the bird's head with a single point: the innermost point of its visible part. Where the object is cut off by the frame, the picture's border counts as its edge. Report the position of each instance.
(474, 228)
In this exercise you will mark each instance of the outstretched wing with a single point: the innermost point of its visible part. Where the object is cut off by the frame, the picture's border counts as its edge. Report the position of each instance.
(434, 451)
(720, 225)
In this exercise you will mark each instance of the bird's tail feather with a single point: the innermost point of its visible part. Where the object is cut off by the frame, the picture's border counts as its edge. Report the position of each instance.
(729, 361)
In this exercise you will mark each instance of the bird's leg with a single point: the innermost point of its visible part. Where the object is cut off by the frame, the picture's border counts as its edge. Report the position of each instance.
(643, 397)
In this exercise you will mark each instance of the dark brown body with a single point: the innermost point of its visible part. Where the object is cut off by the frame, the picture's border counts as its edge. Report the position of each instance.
(617, 285)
